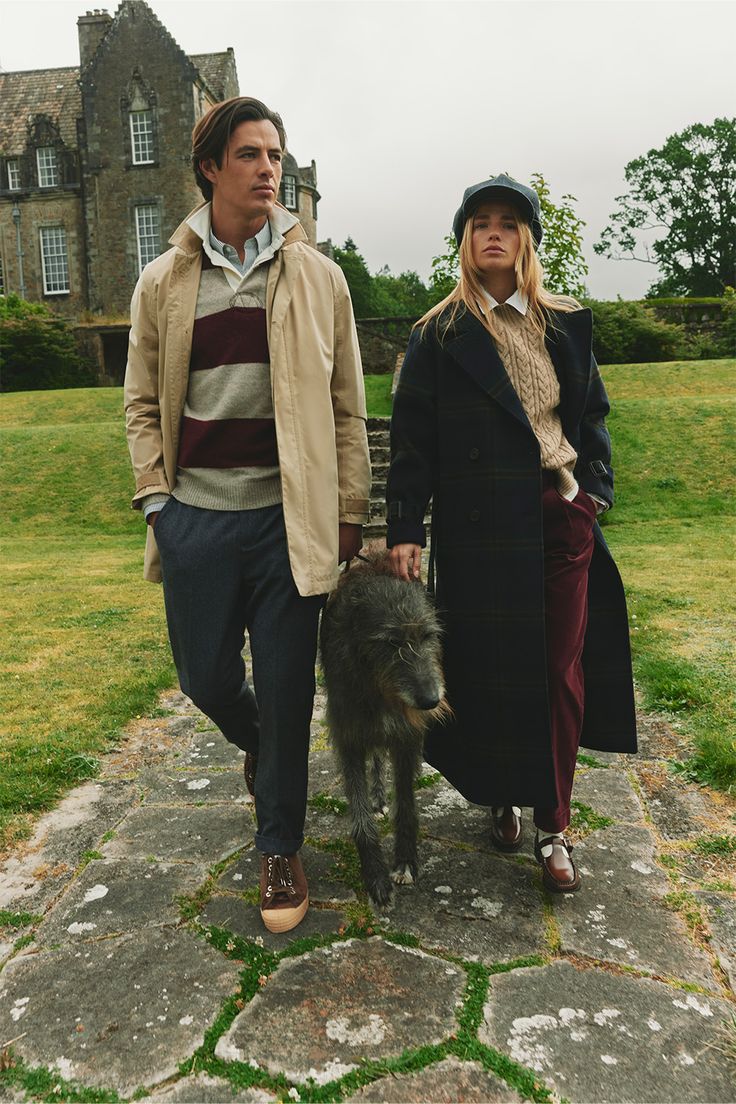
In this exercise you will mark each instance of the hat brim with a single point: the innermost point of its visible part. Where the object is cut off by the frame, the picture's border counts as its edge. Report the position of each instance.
(496, 192)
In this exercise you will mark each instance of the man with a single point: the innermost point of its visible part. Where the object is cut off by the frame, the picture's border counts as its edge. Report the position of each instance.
(246, 416)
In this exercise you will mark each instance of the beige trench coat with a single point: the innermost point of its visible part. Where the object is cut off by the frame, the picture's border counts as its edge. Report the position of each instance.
(317, 385)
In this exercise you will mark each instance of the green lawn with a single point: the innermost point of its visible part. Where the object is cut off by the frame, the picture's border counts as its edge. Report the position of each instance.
(83, 639)
(672, 531)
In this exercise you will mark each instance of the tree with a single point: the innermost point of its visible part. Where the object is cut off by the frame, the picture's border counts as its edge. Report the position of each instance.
(560, 252)
(359, 279)
(685, 195)
(383, 295)
(399, 296)
(37, 349)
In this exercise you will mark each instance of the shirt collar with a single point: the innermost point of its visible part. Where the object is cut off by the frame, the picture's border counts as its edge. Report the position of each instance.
(519, 301)
(273, 231)
(262, 238)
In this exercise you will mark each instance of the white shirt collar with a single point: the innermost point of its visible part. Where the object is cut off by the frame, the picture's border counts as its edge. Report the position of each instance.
(270, 238)
(519, 301)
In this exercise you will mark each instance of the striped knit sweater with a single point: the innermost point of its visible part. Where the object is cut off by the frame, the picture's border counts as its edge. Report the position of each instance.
(530, 369)
(228, 459)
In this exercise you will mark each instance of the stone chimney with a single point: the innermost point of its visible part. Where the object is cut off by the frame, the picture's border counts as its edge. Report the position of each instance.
(91, 28)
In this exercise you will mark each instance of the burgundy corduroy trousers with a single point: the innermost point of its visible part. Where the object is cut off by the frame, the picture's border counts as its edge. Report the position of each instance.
(568, 547)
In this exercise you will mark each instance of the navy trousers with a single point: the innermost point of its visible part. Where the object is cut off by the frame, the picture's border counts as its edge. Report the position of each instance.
(224, 572)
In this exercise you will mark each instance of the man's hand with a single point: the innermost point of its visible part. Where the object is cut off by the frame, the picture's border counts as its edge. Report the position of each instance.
(350, 541)
(406, 561)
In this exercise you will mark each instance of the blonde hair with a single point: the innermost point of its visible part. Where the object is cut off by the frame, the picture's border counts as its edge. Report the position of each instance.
(469, 293)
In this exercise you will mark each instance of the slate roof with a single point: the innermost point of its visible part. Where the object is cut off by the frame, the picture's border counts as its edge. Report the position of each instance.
(213, 70)
(56, 93)
(52, 92)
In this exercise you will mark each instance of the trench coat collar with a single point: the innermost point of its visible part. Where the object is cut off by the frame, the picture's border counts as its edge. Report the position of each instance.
(190, 242)
(568, 342)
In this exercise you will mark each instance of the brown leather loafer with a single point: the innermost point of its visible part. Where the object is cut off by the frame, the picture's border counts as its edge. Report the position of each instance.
(559, 873)
(284, 892)
(506, 827)
(249, 770)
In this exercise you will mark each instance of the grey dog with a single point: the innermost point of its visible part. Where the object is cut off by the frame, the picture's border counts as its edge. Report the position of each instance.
(381, 658)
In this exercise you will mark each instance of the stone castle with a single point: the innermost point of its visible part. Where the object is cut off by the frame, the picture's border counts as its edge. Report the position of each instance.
(94, 161)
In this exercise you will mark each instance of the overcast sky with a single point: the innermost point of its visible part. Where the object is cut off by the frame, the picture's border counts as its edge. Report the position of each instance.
(402, 104)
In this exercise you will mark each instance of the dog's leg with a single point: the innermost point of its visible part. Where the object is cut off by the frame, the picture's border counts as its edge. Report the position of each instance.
(405, 762)
(378, 788)
(373, 866)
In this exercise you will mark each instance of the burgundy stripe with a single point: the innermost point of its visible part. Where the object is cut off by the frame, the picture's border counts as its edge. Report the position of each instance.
(230, 443)
(233, 336)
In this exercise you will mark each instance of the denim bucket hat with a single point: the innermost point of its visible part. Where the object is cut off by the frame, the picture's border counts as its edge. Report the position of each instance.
(524, 199)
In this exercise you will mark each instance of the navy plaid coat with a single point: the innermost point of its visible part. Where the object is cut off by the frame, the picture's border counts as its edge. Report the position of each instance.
(460, 437)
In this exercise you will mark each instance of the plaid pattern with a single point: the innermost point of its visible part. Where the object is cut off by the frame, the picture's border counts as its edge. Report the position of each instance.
(459, 435)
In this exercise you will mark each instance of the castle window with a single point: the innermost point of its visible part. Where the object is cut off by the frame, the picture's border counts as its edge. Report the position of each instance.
(48, 175)
(13, 175)
(141, 137)
(54, 260)
(148, 232)
(289, 190)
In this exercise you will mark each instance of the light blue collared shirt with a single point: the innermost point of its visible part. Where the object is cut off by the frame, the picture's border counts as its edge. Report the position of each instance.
(263, 247)
(253, 247)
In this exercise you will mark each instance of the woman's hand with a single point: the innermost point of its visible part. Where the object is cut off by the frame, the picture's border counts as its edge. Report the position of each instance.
(406, 561)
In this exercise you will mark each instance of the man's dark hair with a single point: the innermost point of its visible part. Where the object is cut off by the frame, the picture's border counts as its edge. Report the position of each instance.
(211, 134)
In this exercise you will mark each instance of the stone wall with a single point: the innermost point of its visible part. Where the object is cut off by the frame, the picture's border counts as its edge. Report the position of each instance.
(138, 66)
(41, 209)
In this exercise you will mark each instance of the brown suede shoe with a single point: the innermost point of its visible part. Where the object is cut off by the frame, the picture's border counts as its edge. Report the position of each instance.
(559, 873)
(250, 767)
(506, 827)
(284, 892)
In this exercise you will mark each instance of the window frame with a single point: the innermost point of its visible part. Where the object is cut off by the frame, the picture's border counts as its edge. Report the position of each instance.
(148, 134)
(12, 171)
(137, 210)
(42, 169)
(290, 181)
(64, 267)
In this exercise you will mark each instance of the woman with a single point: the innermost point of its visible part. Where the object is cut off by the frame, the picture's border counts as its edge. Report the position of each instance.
(499, 419)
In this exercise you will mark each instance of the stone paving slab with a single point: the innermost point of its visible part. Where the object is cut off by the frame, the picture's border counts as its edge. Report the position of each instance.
(321, 824)
(597, 1036)
(324, 776)
(481, 907)
(319, 867)
(446, 1082)
(116, 895)
(41, 867)
(609, 793)
(444, 814)
(119, 1013)
(191, 834)
(209, 749)
(208, 1090)
(679, 812)
(243, 919)
(342, 1003)
(720, 913)
(618, 914)
(194, 787)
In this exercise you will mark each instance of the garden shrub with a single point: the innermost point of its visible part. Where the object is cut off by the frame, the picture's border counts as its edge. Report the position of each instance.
(37, 349)
(627, 332)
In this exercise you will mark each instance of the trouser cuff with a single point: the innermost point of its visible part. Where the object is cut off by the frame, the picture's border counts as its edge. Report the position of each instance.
(269, 845)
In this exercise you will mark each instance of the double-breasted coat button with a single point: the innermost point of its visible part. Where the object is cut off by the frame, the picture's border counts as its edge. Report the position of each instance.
(474, 515)
(474, 453)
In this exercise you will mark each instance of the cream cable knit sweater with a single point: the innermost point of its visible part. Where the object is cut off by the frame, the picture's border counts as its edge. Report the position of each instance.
(526, 360)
